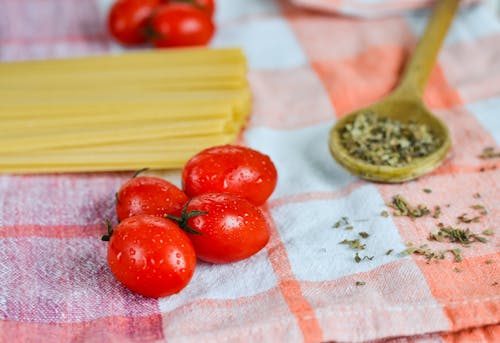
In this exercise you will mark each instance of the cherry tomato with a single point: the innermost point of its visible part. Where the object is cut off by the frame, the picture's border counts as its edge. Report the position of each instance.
(180, 24)
(151, 256)
(127, 20)
(231, 230)
(208, 6)
(149, 195)
(229, 168)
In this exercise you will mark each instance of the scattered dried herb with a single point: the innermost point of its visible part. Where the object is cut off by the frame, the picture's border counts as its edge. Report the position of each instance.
(437, 212)
(477, 195)
(481, 239)
(488, 232)
(342, 221)
(349, 227)
(458, 270)
(364, 234)
(489, 261)
(427, 190)
(458, 254)
(383, 141)
(480, 208)
(494, 283)
(358, 258)
(403, 208)
(360, 283)
(489, 152)
(465, 219)
(354, 244)
(388, 252)
(456, 235)
(384, 214)
(424, 250)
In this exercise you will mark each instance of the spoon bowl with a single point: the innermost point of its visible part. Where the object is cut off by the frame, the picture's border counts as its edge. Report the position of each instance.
(405, 105)
(402, 110)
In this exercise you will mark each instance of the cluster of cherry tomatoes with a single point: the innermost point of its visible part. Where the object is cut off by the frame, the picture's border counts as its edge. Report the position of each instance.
(164, 23)
(215, 217)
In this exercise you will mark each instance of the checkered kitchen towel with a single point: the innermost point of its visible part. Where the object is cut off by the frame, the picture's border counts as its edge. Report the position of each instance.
(369, 8)
(307, 68)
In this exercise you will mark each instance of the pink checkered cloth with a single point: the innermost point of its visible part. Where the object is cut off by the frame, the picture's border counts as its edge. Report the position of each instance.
(369, 8)
(307, 68)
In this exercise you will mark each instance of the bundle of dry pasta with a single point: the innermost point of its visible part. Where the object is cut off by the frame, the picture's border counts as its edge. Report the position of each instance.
(120, 112)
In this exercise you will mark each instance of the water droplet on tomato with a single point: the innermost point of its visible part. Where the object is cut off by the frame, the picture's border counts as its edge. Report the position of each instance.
(119, 256)
(132, 251)
(178, 255)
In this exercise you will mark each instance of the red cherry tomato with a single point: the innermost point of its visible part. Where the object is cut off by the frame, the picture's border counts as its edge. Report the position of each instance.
(151, 256)
(208, 6)
(232, 229)
(149, 195)
(180, 24)
(127, 20)
(233, 169)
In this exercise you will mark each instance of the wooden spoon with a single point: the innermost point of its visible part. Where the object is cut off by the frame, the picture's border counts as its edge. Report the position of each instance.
(405, 104)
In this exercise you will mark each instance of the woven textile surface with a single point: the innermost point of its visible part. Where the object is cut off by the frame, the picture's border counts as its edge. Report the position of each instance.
(307, 67)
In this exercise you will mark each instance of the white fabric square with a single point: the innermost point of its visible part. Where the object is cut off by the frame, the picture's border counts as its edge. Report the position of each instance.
(312, 242)
(486, 112)
(465, 25)
(225, 281)
(226, 10)
(269, 43)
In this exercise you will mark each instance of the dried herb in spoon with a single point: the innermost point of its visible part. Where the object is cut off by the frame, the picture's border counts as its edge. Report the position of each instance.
(386, 142)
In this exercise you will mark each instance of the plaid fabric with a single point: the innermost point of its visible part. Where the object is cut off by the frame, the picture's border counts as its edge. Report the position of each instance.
(307, 68)
(364, 8)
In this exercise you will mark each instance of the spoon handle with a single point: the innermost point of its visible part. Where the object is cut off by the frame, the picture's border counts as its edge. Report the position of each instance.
(424, 56)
